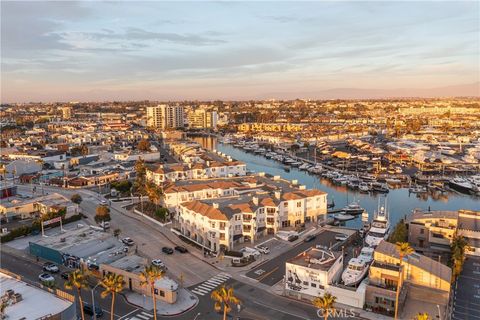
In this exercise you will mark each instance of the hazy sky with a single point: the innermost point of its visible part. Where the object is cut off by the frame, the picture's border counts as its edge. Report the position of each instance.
(87, 51)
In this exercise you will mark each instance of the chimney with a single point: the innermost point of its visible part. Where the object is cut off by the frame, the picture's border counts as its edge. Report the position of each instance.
(215, 205)
(302, 187)
(275, 178)
(278, 194)
(255, 201)
(261, 174)
(294, 182)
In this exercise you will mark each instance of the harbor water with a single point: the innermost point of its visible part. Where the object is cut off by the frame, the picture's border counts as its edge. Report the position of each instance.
(399, 201)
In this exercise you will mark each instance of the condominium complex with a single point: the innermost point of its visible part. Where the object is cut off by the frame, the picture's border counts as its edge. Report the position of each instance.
(202, 119)
(248, 211)
(165, 116)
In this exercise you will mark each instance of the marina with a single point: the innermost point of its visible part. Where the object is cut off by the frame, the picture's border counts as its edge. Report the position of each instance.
(400, 200)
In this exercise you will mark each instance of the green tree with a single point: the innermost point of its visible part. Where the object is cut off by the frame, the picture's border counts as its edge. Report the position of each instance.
(224, 299)
(77, 280)
(140, 179)
(458, 247)
(162, 214)
(326, 304)
(403, 250)
(76, 198)
(147, 278)
(112, 284)
(400, 233)
(102, 214)
(143, 145)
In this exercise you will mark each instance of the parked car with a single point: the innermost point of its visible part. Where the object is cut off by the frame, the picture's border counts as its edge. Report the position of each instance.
(103, 202)
(50, 267)
(65, 275)
(181, 249)
(46, 277)
(167, 250)
(88, 309)
(263, 249)
(250, 252)
(105, 225)
(309, 238)
(292, 237)
(127, 241)
(159, 263)
(341, 237)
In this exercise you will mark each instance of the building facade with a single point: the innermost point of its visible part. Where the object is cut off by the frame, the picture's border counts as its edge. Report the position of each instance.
(165, 116)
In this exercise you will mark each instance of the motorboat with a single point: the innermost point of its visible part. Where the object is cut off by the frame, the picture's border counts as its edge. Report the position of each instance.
(461, 185)
(353, 208)
(343, 217)
(364, 187)
(379, 187)
(366, 254)
(304, 166)
(379, 228)
(417, 189)
(355, 272)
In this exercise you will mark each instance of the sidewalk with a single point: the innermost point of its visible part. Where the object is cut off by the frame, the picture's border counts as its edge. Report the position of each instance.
(185, 301)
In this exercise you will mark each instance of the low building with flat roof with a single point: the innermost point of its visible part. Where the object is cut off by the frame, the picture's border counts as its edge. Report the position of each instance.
(25, 301)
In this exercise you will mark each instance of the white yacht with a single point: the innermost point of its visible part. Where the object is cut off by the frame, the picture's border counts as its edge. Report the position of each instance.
(366, 254)
(354, 273)
(353, 208)
(461, 185)
(379, 228)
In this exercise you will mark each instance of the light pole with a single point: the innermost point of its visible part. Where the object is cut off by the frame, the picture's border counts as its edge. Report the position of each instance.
(439, 313)
(93, 301)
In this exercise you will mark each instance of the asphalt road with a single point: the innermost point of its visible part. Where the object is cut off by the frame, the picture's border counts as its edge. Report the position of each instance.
(30, 271)
(466, 303)
(273, 270)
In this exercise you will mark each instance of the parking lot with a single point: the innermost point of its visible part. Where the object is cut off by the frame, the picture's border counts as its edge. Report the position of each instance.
(272, 271)
(466, 303)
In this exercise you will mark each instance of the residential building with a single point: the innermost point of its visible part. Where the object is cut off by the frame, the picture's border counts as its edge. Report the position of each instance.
(202, 119)
(220, 223)
(66, 113)
(421, 278)
(165, 116)
(431, 232)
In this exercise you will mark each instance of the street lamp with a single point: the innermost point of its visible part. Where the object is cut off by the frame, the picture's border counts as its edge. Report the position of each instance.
(93, 301)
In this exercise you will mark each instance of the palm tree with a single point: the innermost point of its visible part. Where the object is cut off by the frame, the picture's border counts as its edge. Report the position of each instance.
(326, 303)
(224, 298)
(148, 277)
(403, 249)
(458, 246)
(112, 284)
(422, 316)
(78, 280)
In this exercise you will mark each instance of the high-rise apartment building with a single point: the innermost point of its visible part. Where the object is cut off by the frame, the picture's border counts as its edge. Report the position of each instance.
(66, 112)
(202, 119)
(165, 116)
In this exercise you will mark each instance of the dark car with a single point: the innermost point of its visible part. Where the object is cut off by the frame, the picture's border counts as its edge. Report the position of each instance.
(181, 249)
(167, 250)
(65, 275)
(309, 238)
(88, 309)
(292, 237)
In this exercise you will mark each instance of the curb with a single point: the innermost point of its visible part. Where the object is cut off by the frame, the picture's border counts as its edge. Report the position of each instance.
(197, 301)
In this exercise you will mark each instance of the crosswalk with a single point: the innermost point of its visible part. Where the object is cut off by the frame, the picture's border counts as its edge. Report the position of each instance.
(211, 284)
(142, 315)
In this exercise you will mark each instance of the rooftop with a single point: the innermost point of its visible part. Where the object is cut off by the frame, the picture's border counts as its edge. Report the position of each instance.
(35, 304)
(316, 258)
(133, 263)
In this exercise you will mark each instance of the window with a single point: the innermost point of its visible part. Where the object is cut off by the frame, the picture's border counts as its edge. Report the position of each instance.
(422, 231)
(299, 204)
(314, 285)
(305, 283)
(162, 293)
(285, 204)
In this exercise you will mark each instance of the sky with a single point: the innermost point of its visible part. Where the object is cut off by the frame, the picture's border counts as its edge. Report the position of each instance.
(100, 51)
